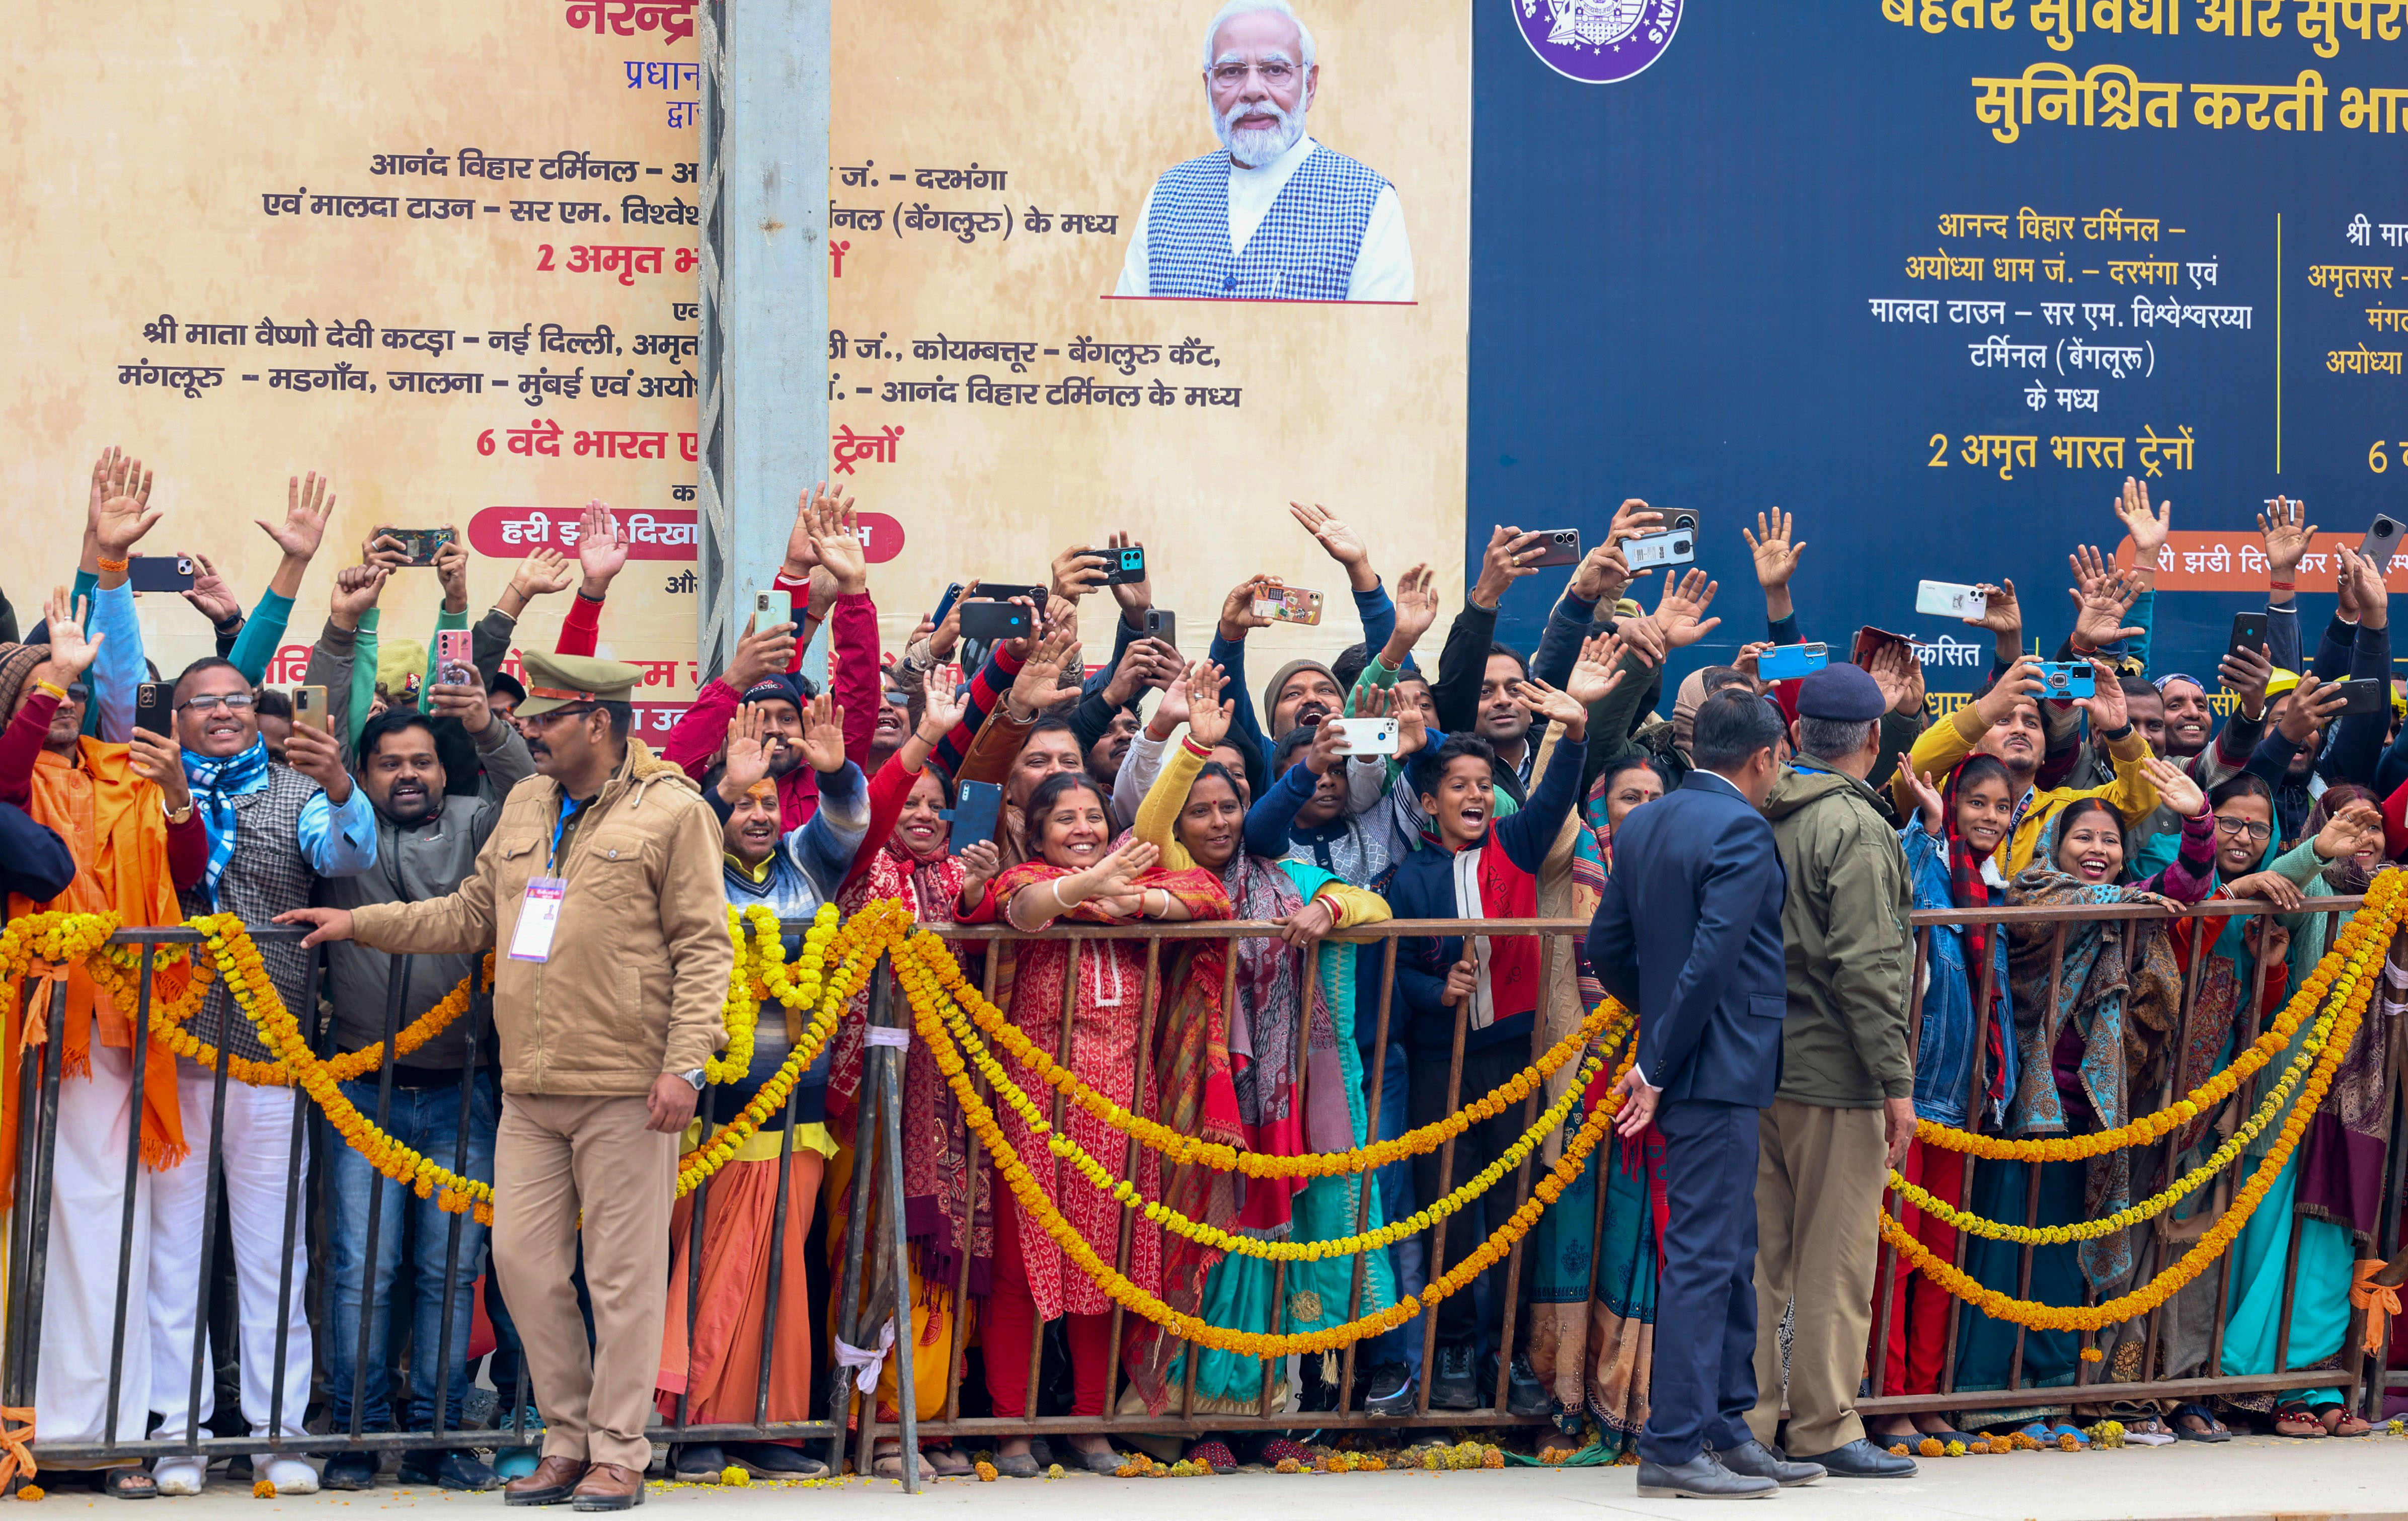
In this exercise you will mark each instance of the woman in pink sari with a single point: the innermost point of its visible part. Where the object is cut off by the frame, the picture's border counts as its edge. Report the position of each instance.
(1076, 876)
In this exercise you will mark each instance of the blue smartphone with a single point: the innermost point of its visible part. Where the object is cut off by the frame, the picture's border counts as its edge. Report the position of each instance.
(2067, 679)
(976, 805)
(945, 603)
(1788, 662)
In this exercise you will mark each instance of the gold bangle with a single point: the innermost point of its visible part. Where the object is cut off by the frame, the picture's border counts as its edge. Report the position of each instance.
(114, 567)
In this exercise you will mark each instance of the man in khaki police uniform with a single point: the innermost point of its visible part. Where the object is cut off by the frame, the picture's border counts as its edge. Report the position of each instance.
(598, 892)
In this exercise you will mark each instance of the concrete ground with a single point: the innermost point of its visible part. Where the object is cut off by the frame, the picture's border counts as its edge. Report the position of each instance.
(2247, 1477)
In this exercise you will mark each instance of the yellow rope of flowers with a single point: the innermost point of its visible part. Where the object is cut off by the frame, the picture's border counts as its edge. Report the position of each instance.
(1177, 1147)
(912, 970)
(255, 992)
(2352, 988)
(2156, 1204)
(2368, 934)
(1024, 1188)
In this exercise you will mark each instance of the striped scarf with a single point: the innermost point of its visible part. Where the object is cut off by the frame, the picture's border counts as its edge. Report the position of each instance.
(215, 784)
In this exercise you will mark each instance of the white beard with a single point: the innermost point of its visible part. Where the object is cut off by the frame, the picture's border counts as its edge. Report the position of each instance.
(1258, 146)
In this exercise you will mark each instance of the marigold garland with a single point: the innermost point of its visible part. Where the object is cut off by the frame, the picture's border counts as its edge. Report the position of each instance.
(2352, 987)
(940, 1018)
(2367, 935)
(1180, 1148)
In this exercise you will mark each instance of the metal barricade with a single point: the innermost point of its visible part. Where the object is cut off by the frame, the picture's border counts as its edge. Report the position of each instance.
(876, 1173)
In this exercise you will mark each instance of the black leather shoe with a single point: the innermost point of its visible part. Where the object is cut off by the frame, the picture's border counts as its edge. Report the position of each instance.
(349, 1470)
(1756, 1460)
(1452, 1386)
(457, 1469)
(1524, 1394)
(1861, 1459)
(1700, 1478)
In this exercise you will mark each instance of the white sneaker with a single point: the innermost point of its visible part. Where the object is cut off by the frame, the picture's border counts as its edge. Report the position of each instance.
(181, 1475)
(291, 1476)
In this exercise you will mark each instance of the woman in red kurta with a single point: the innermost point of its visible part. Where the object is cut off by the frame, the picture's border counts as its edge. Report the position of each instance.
(1075, 876)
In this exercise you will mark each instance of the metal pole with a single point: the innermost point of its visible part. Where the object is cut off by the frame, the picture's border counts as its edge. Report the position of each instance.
(396, 993)
(890, 1161)
(138, 1048)
(296, 1151)
(458, 1222)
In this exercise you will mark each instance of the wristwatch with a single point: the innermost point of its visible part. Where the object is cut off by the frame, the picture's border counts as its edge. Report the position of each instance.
(693, 1077)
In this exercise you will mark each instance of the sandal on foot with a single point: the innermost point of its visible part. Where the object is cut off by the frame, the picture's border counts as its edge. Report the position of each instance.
(1943, 1436)
(2215, 1431)
(2347, 1424)
(2147, 1432)
(949, 1462)
(2293, 1419)
(129, 1484)
(886, 1461)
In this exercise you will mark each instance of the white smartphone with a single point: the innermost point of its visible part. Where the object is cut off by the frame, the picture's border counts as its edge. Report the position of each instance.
(772, 608)
(1368, 736)
(1947, 599)
(1678, 547)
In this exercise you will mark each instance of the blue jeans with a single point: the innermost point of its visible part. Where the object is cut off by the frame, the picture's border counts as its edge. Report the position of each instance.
(426, 1120)
(1407, 1257)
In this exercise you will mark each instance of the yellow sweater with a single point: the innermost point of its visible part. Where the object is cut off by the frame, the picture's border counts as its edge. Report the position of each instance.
(1157, 820)
(1944, 744)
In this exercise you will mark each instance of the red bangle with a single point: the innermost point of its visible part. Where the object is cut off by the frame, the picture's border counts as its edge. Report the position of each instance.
(1187, 742)
(2282, 586)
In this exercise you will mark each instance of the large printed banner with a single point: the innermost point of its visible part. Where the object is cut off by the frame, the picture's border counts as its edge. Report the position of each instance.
(445, 253)
(1937, 275)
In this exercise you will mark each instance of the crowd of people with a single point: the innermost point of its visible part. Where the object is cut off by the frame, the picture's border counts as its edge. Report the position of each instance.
(445, 809)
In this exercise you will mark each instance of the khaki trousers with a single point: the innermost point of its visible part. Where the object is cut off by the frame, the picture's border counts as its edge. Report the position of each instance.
(554, 1154)
(1819, 1174)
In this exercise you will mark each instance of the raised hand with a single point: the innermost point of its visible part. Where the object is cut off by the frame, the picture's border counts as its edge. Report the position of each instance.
(1889, 672)
(356, 590)
(2175, 789)
(2001, 614)
(315, 753)
(1776, 554)
(1133, 595)
(1115, 876)
(823, 742)
(747, 759)
(452, 573)
(2105, 704)
(1329, 748)
(119, 519)
(1238, 613)
(71, 653)
(1927, 798)
(942, 702)
(1632, 519)
(2088, 568)
(2374, 598)
(543, 572)
(1416, 598)
(802, 546)
(2149, 529)
(2020, 682)
(602, 547)
(109, 475)
(1750, 659)
(1340, 542)
(836, 535)
(463, 700)
(210, 593)
(1603, 574)
(1505, 561)
(307, 505)
(2312, 703)
(2099, 621)
(1684, 601)
(759, 652)
(1171, 712)
(2286, 533)
(2356, 830)
(2245, 673)
(1208, 716)
(158, 758)
(1544, 701)
(1040, 684)
(1596, 672)
(982, 863)
(1078, 571)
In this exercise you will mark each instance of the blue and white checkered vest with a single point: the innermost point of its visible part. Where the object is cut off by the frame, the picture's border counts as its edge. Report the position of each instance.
(1304, 251)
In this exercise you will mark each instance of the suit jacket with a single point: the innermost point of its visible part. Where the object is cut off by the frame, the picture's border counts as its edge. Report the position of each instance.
(1689, 933)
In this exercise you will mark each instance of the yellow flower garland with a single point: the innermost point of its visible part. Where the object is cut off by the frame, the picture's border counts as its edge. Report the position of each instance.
(1024, 1185)
(2353, 987)
(2156, 1204)
(945, 1026)
(1176, 1147)
(2367, 935)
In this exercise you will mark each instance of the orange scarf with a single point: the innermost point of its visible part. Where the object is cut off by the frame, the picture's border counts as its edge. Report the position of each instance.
(115, 825)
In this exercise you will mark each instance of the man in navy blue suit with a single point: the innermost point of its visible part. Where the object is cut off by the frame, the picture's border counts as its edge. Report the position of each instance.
(1689, 933)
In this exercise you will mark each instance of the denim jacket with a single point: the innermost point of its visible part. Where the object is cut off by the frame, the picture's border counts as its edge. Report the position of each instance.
(1944, 1054)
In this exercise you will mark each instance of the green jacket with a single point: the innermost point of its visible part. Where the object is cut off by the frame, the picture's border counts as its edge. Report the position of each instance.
(1844, 937)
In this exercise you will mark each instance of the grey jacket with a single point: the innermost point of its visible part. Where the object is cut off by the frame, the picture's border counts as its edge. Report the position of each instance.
(422, 861)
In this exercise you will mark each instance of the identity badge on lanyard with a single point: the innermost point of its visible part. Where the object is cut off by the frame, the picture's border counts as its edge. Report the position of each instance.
(539, 913)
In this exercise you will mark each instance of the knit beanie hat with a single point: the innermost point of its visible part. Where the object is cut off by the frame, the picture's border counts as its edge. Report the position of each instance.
(1280, 679)
(18, 663)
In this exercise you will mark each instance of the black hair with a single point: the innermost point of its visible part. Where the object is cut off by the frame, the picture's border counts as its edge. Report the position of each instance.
(505, 685)
(205, 662)
(1974, 769)
(1220, 769)
(2139, 686)
(1297, 738)
(1430, 766)
(2242, 784)
(1049, 793)
(1714, 677)
(269, 703)
(1053, 724)
(392, 720)
(1632, 760)
(622, 715)
(2082, 806)
(1732, 724)
(1348, 666)
(1496, 649)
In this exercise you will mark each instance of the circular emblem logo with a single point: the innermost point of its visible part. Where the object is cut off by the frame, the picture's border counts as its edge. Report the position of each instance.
(1598, 41)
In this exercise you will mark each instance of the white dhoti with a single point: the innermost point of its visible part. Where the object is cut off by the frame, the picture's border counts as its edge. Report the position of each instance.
(79, 1283)
(257, 1152)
